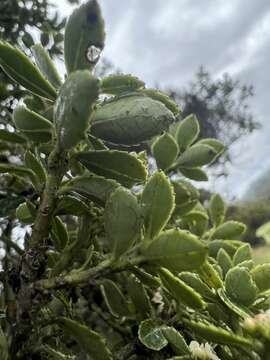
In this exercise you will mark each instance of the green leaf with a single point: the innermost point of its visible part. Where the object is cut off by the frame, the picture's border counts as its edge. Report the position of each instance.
(214, 143)
(4, 353)
(96, 188)
(122, 221)
(176, 340)
(11, 137)
(46, 66)
(90, 341)
(261, 276)
(197, 284)
(217, 335)
(130, 119)
(241, 311)
(146, 278)
(264, 232)
(139, 296)
(84, 37)
(187, 132)
(195, 156)
(229, 230)
(224, 260)
(196, 174)
(71, 205)
(228, 245)
(33, 163)
(151, 335)
(240, 286)
(121, 166)
(186, 196)
(74, 107)
(217, 209)
(59, 233)
(177, 250)
(197, 221)
(34, 126)
(157, 204)
(165, 150)
(17, 170)
(18, 67)
(163, 98)
(210, 275)
(120, 83)
(114, 299)
(182, 292)
(23, 214)
(249, 264)
(243, 253)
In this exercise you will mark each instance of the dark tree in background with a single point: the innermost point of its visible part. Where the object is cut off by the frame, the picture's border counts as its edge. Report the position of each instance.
(221, 106)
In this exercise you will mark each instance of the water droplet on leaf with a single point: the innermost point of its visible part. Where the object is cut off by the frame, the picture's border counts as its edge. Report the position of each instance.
(93, 53)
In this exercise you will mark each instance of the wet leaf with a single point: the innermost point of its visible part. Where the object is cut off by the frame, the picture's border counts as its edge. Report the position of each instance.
(151, 335)
(84, 37)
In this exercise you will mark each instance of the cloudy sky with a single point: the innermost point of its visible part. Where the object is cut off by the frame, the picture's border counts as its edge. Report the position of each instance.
(165, 42)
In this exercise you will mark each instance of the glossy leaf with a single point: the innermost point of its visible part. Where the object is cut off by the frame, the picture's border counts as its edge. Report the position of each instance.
(114, 298)
(74, 107)
(151, 335)
(240, 286)
(214, 143)
(176, 340)
(165, 150)
(157, 203)
(195, 174)
(196, 155)
(45, 65)
(122, 166)
(33, 163)
(163, 98)
(34, 126)
(183, 293)
(187, 132)
(217, 335)
(95, 188)
(130, 120)
(194, 281)
(18, 67)
(217, 209)
(120, 83)
(72, 205)
(139, 296)
(59, 233)
(90, 341)
(229, 230)
(243, 253)
(177, 250)
(122, 221)
(224, 261)
(11, 137)
(261, 276)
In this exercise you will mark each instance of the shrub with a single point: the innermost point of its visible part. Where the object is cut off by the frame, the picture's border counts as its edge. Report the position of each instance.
(119, 263)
